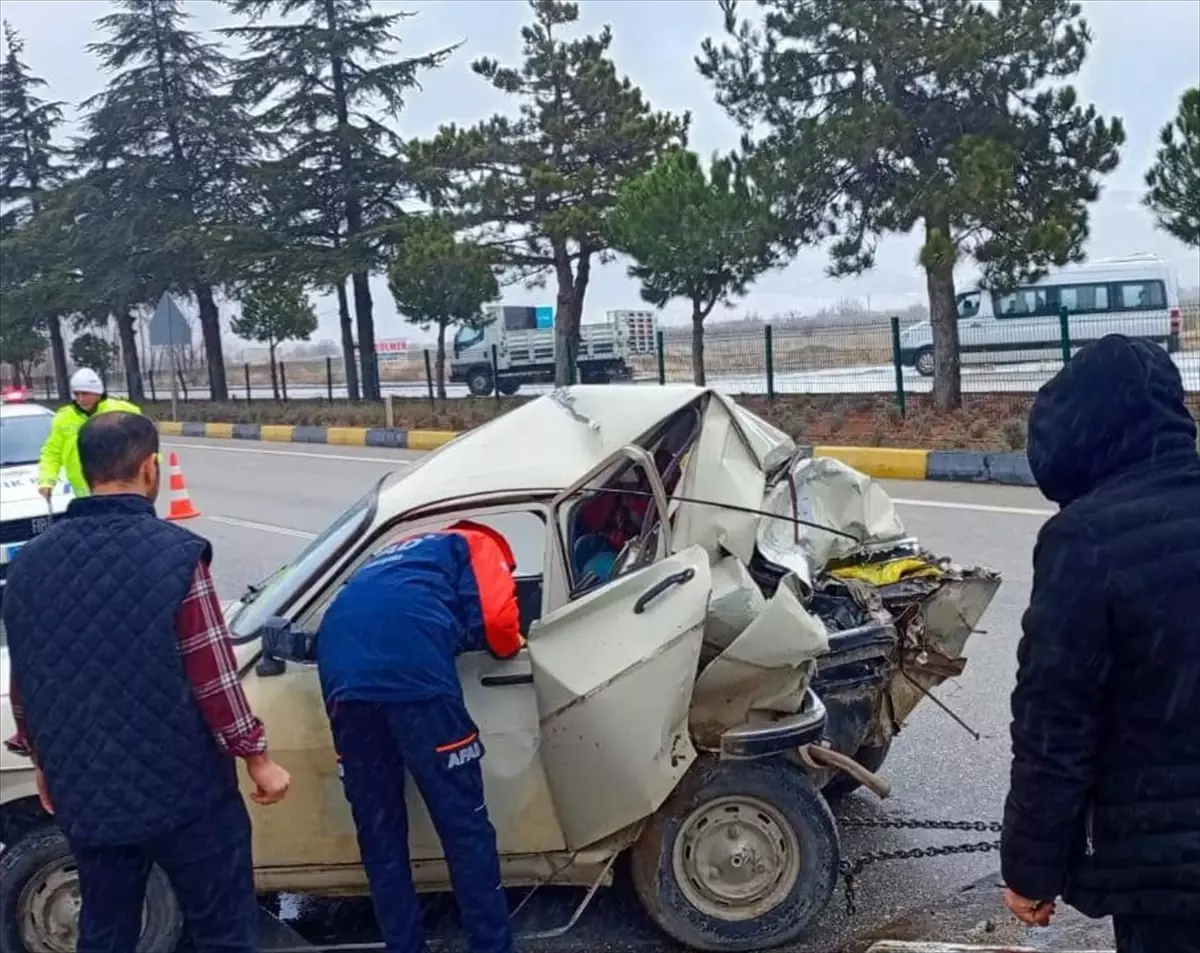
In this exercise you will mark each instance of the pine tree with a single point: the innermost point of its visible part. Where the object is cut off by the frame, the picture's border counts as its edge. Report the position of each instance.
(1173, 182)
(440, 281)
(542, 185)
(171, 144)
(701, 237)
(881, 116)
(30, 165)
(317, 85)
(274, 312)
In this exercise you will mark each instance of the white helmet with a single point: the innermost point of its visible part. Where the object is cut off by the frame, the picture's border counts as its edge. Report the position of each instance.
(86, 381)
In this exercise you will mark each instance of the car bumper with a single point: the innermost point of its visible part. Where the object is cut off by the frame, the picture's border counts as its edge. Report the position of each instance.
(768, 739)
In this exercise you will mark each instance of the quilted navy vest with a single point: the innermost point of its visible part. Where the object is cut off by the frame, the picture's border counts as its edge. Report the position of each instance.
(90, 610)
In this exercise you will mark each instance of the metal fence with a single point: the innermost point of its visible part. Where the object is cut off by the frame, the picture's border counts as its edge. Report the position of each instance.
(1006, 360)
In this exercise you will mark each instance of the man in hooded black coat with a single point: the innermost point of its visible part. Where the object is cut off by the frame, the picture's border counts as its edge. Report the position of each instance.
(1104, 804)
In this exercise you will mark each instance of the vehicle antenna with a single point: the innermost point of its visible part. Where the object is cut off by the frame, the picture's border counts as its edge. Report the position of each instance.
(622, 491)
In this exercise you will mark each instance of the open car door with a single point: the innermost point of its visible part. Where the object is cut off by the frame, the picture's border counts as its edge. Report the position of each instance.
(613, 669)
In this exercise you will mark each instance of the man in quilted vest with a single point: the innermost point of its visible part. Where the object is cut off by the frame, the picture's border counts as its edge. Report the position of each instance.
(126, 696)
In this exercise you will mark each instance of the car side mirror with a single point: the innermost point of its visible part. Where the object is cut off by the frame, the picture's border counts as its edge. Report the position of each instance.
(281, 643)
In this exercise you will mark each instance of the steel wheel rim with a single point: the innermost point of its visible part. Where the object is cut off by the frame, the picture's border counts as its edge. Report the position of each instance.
(736, 858)
(48, 908)
(925, 363)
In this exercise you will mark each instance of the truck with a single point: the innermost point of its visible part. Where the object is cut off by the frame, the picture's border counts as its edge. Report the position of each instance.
(514, 345)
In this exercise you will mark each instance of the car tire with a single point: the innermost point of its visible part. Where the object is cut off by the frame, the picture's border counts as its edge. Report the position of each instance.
(39, 899)
(743, 856)
(923, 362)
(479, 381)
(508, 387)
(870, 757)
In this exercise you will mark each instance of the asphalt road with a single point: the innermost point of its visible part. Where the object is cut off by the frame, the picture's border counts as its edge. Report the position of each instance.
(260, 502)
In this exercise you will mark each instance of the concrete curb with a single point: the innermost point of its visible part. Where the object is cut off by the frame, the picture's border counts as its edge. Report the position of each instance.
(960, 466)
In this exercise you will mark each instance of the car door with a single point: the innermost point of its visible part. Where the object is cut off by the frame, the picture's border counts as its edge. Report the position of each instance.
(499, 696)
(613, 670)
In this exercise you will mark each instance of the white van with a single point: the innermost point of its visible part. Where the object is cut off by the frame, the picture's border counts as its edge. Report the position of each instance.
(1136, 296)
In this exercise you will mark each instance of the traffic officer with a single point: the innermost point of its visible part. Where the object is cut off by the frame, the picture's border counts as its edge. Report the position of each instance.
(61, 450)
(386, 652)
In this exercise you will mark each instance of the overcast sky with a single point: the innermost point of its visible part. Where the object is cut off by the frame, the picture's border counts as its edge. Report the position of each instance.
(1145, 53)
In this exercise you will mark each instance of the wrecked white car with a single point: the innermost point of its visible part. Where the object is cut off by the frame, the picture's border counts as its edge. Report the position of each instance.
(732, 630)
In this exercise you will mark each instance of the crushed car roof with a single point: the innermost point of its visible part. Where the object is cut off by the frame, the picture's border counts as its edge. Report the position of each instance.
(550, 443)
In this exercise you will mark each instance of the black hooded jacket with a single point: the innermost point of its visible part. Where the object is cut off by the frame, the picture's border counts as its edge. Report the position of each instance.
(1104, 804)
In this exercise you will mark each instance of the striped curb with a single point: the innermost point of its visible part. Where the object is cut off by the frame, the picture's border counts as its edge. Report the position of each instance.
(885, 463)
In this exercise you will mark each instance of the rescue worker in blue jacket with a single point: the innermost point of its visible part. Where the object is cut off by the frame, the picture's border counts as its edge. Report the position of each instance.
(386, 654)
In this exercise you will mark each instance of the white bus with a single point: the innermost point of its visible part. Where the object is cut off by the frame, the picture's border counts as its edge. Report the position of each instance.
(1136, 296)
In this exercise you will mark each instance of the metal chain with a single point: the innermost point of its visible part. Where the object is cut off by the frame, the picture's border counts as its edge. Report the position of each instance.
(850, 870)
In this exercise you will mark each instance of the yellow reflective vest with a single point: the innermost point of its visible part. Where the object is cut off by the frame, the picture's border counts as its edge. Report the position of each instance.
(61, 450)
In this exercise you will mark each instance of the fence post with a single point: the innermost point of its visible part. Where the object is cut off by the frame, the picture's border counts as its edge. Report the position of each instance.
(389, 412)
(329, 377)
(496, 374)
(898, 365)
(662, 356)
(283, 380)
(1064, 331)
(49, 393)
(769, 341)
(246, 369)
(429, 379)
(150, 378)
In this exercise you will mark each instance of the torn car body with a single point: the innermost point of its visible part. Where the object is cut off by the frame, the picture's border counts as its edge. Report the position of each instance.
(702, 602)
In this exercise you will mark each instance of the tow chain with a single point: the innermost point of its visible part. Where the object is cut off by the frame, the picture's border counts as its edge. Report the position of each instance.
(851, 870)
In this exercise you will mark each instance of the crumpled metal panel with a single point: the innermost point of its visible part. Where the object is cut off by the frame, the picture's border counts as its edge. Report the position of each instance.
(765, 669)
(723, 470)
(736, 602)
(827, 492)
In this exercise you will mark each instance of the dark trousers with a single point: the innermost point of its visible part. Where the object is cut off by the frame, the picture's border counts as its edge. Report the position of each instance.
(438, 743)
(1156, 935)
(208, 863)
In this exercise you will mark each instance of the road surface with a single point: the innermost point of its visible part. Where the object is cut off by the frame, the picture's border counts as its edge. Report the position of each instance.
(876, 379)
(260, 503)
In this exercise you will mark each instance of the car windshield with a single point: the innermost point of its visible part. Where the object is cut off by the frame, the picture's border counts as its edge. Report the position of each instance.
(21, 438)
(467, 336)
(274, 594)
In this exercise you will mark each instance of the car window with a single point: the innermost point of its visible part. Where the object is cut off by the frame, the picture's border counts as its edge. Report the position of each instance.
(21, 438)
(613, 527)
(968, 304)
(524, 530)
(1141, 295)
(273, 596)
(1022, 303)
(467, 337)
(1076, 298)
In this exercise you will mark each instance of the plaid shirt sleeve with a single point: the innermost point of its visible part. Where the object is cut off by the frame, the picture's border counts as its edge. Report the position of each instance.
(208, 660)
(18, 743)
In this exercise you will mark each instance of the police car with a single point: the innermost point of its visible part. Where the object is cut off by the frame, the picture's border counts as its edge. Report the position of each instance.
(24, 513)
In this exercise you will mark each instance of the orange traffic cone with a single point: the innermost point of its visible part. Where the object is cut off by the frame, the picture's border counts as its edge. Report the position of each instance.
(180, 506)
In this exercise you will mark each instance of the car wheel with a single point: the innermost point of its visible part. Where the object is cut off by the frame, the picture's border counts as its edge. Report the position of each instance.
(924, 362)
(744, 856)
(479, 381)
(508, 387)
(39, 899)
(870, 757)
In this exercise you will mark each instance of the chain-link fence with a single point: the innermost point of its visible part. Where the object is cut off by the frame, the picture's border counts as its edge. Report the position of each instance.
(1004, 358)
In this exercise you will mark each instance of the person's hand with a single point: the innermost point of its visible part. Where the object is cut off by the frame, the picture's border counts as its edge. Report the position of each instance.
(43, 792)
(46, 492)
(1034, 913)
(271, 780)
